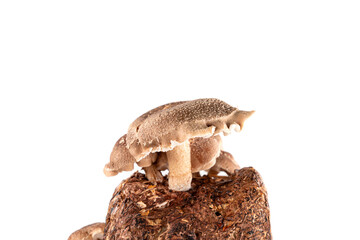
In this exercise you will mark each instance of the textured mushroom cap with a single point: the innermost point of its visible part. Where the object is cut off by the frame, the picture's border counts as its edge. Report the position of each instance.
(120, 159)
(169, 125)
(91, 232)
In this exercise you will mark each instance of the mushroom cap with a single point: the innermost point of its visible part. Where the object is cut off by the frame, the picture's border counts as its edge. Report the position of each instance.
(93, 231)
(204, 152)
(120, 159)
(163, 128)
(225, 162)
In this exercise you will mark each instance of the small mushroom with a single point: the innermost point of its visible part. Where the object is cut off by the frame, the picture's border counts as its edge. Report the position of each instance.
(120, 160)
(91, 232)
(153, 174)
(204, 152)
(169, 128)
(225, 162)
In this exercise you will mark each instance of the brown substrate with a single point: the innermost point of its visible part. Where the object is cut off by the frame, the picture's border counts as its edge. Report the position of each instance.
(214, 208)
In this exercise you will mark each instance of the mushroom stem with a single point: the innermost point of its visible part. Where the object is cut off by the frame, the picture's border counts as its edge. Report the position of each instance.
(179, 160)
(152, 174)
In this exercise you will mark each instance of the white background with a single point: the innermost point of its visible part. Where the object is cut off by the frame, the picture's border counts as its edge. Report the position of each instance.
(74, 75)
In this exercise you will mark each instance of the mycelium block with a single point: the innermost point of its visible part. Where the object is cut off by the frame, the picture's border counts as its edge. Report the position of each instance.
(233, 207)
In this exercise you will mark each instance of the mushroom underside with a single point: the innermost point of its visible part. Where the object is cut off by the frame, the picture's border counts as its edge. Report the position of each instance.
(224, 162)
(203, 154)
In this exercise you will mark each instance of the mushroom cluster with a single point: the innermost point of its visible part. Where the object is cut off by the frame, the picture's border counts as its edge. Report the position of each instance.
(183, 137)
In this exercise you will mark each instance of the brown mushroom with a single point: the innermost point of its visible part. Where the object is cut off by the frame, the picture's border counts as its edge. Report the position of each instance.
(91, 232)
(169, 128)
(120, 160)
(204, 152)
(225, 162)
